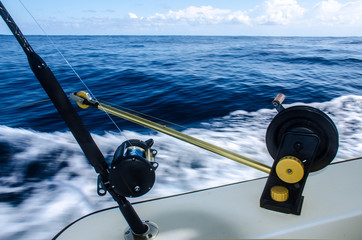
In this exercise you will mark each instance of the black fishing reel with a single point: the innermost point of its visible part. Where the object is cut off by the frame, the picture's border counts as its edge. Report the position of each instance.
(132, 172)
(301, 139)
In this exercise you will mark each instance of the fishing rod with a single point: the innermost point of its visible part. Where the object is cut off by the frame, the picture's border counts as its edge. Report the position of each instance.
(135, 153)
(84, 101)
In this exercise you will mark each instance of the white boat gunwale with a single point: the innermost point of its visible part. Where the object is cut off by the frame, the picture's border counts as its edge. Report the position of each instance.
(255, 182)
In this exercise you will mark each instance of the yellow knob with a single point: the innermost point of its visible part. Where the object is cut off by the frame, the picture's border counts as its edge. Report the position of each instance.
(84, 95)
(279, 193)
(290, 169)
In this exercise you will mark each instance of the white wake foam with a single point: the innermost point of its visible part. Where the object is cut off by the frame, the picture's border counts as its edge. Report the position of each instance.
(69, 189)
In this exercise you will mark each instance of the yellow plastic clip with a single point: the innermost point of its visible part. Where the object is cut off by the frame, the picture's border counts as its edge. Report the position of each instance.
(83, 95)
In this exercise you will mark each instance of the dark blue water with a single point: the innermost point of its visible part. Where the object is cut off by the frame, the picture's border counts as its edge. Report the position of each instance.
(220, 88)
(181, 79)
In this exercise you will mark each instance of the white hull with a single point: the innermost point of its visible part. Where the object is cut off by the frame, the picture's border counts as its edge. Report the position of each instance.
(332, 209)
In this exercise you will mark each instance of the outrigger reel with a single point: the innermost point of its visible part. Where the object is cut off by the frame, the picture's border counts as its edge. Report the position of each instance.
(301, 139)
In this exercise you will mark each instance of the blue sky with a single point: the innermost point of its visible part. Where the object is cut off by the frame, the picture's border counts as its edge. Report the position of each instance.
(186, 17)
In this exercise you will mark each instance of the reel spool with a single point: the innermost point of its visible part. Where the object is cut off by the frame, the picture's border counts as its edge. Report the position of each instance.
(308, 120)
(301, 139)
(132, 172)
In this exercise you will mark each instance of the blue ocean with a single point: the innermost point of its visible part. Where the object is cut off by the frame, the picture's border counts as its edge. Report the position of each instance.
(218, 89)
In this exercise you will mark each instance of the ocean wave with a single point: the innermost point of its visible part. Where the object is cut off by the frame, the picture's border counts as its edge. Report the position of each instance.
(46, 178)
(137, 46)
(321, 60)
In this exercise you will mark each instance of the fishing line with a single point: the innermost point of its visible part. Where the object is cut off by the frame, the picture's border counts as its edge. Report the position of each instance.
(25, 104)
(71, 67)
(143, 114)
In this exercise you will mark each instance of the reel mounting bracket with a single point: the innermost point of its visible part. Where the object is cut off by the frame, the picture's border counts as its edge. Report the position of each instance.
(301, 139)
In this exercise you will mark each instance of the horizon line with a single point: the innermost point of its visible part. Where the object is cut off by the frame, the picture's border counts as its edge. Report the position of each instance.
(181, 35)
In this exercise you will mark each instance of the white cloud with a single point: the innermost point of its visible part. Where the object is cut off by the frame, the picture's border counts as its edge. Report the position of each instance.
(239, 17)
(199, 15)
(279, 12)
(332, 12)
(330, 6)
(132, 16)
(271, 12)
(271, 17)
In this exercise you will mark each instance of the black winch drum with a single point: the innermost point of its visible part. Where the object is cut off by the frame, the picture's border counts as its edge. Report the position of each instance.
(310, 121)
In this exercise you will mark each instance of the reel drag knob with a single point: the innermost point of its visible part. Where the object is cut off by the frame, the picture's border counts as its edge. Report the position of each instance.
(290, 169)
(279, 193)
